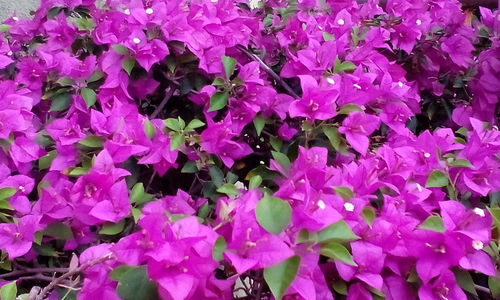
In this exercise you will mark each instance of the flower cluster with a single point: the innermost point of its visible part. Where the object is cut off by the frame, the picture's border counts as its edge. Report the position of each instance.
(222, 149)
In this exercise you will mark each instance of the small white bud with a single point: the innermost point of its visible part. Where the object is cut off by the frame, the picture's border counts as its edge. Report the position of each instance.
(330, 80)
(136, 40)
(127, 12)
(478, 211)
(478, 245)
(340, 22)
(149, 11)
(418, 22)
(400, 84)
(321, 204)
(15, 18)
(349, 206)
(357, 86)
(427, 155)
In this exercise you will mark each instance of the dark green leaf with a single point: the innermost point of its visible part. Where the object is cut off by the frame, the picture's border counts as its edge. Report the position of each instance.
(135, 284)
(333, 136)
(117, 272)
(494, 285)
(348, 108)
(368, 214)
(60, 102)
(229, 64)
(255, 182)
(273, 214)
(216, 175)
(149, 129)
(218, 101)
(280, 276)
(128, 64)
(345, 66)
(259, 122)
(433, 223)
(340, 287)
(137, 193)
(464, 280)
(436, 179)
(219, 248)
(495, 213)
(65, 81)
(461, 162)
(282, 159)
(337, 251)
(120, 49)
(338, 231)
(189, 167)
(89, 96)
(83, 24)
(59, 231)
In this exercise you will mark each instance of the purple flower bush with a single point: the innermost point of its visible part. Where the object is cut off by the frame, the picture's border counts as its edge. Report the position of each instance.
(223, 149)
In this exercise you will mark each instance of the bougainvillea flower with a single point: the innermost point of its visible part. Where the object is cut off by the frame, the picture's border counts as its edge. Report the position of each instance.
(315, 103)
(357, 128)
(16, 239)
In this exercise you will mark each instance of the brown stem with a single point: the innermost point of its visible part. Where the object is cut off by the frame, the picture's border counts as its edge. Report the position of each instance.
(31, 271)
(70, 274)
(269, 71)
(160, 107)
(482, 289)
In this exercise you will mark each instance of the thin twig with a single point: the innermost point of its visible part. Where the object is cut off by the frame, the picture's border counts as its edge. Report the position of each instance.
(70, 274)
(33, 270)
(269, 71)
(160, 107)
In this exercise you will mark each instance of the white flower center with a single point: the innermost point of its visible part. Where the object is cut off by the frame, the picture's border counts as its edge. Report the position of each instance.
(321, 204)
(340, 22)
(357, 86)
(127, 12)
(478, 245)
(418, 22)
(149, 11)
(15, 18)
(330, 80)
(349, 206)
(478, 211)
(400, 84)
(136, 40)
(10, 53)
(427, 155)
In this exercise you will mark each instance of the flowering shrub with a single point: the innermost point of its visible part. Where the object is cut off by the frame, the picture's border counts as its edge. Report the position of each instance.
(223, 149)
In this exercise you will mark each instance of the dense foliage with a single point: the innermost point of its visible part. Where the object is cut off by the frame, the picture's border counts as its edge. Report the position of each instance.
(224, 149)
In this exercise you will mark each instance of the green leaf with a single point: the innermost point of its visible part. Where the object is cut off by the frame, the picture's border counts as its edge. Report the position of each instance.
(176, 140)
(228, 189)
(8, 291)
(83, 24)
(333, 135)
(59, 231)
(461, 162)
(259, 122)
(136, 214)
(345, 66)
(464, 280)
(276, 143)
(229, 64)
(219, 81)
(282, 159)
(340, 287)
(173, 124)
(433, 223)
(280, 276)
(137, 193)
(273, 214)
(112, 228)
(149, 129)
(92, 141)
(195, 123)
(216, 175)
(337, 251)
(117, 272)
(328, 36)
(494, 285)
(135, 284)
(97, 75)
(189, 167)
(78, 171)
(219, 248)
(120, 49)
(436, 179)
(60, 102)
(495, 213)
(4, 27)
(65, 81)
(218, 101)
(338, 231)
(348, 108)
(368, 214)
(128, 64)
(89, 96)
(7, 193)
(344, 192)
(255, 182)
